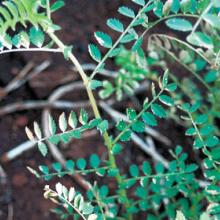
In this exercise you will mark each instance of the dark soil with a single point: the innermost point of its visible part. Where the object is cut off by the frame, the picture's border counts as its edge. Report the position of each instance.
(79, 19)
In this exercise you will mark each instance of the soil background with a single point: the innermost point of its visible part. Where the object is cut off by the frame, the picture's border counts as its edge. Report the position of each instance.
(79, 20)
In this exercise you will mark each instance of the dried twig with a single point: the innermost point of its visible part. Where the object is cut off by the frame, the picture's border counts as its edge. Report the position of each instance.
(30, 50)
(24, 76)
(27, 105)
(3, 176)
(15, 152)
(10, 211)
(15, 83)
(4, 183)
(103, 72)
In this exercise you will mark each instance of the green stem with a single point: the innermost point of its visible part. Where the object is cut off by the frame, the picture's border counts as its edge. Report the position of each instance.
(95, 111)
(62, 173)
(48, 9)
(154, 176)
(200, 137)
(137, 117)
(119, 39)
(201, 17)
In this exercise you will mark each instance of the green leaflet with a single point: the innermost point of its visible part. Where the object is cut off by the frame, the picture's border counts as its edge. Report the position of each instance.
(134, 171)
(36, 37)
(62, 122)
(103, 126)
(115, 24)
(83, 117)
(179, 24)
(126, 12)
(149, 119)
(81, 163)
(52, 125)
(138, 127)
(94, 161)
(57, 5)
(104, 39)
(95, 52)
(139, 2)
(158, 110)
(42, 148)
(213, 20)
(200, 39)
(167, 100)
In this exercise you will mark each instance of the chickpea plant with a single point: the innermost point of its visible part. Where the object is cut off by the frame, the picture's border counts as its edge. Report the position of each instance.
(177, 190)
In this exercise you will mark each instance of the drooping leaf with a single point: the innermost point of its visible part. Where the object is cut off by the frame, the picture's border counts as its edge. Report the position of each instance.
(213, 20)
(200, 39)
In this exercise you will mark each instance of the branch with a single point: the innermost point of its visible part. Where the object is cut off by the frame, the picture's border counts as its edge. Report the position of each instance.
(23, 77)
(30, 50)
(27, 105)
(144, 146)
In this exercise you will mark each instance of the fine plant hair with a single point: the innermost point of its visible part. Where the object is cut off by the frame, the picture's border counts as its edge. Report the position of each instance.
(178, 189)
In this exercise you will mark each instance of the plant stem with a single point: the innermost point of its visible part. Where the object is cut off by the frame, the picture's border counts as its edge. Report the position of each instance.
(201, 17)
(204, 150)
(96, 112)
(137, 117)
(30, 50)
(119, 39)
(48, 9)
